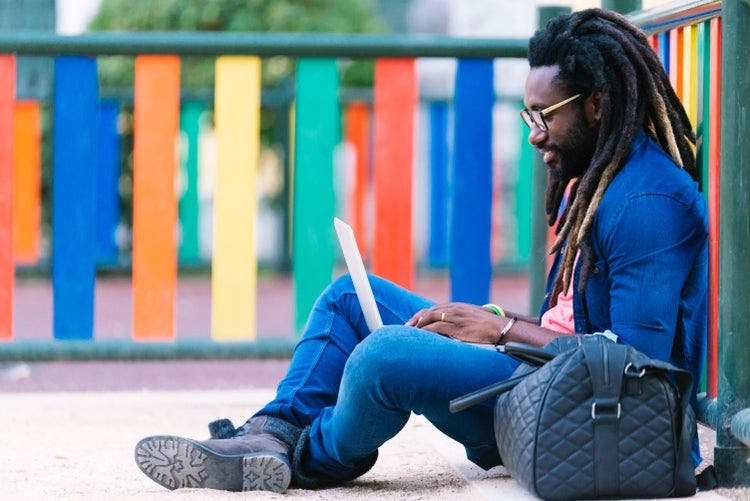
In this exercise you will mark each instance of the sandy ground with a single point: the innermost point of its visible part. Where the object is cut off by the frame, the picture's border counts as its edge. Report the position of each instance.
(79, 445)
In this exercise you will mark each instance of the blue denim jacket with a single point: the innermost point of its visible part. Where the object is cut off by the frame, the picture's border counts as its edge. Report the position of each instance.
(650, 277)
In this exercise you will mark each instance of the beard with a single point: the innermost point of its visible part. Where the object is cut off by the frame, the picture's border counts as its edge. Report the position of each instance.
(573, 154)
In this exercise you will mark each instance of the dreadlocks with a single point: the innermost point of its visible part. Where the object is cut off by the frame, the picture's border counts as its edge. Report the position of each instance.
(599, 50)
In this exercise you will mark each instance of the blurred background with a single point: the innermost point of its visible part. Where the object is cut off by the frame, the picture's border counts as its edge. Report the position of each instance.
(195, 181)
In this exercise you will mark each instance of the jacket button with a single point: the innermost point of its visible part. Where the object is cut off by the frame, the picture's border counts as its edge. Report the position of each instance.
(596, 270)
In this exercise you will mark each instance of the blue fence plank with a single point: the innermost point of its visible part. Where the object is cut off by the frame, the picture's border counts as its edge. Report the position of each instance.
(663, 50)
(107, 184)
(74, 195)
(437, 256)
(471, 182)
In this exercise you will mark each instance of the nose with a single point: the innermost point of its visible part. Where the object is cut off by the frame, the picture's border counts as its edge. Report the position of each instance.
(536, 136)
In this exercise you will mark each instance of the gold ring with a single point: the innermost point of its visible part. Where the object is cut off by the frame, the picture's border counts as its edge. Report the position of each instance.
(442, 317)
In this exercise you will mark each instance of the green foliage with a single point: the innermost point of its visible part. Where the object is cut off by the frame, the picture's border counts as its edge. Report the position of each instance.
(323, 16)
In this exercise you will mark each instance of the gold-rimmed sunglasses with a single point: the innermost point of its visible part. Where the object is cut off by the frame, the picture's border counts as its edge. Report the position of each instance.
(535, 118)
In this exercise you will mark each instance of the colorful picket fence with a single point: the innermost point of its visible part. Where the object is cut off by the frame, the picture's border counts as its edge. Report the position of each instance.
(86, 161)
(691, 54)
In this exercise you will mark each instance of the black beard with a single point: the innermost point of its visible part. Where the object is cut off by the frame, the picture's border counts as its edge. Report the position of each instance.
(576, 152)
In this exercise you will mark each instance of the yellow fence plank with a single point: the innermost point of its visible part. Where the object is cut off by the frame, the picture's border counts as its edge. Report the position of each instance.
(234, 271)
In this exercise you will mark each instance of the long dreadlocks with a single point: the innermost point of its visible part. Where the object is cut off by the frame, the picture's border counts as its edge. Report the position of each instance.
(599, 50)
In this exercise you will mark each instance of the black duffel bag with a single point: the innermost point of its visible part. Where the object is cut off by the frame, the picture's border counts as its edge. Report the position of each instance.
(587, 418)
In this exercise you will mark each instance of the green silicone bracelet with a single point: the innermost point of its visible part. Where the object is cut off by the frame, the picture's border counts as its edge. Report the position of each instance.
(494, 309)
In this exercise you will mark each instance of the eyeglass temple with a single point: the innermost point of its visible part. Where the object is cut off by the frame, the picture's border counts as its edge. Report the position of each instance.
(558, 105)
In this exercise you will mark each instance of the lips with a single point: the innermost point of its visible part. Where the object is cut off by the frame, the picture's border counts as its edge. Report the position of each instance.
(549, 157)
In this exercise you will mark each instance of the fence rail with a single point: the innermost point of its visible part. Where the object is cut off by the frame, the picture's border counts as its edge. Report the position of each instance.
(266, 44)
(677, 14)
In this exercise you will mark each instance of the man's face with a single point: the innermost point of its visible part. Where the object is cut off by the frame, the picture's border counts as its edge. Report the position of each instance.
(569, 142)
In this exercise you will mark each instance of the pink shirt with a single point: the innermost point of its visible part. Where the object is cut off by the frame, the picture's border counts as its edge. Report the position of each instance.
(559, 318)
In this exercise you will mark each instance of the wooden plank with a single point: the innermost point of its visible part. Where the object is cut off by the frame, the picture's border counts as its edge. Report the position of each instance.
(713, 209)
(395, 105)
(676, 60)
(108, 183)
(664, 49)
(524, 194)
(317, 131)
(191, 115)
(156, 117)
(7, 270)
(471, 191)
(357, 133)
(234, 269)
(27, 179)
(74, 196)
(690, 73)
(437, 256)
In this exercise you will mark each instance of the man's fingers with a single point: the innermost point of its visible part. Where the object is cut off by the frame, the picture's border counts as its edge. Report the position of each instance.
(417, 319)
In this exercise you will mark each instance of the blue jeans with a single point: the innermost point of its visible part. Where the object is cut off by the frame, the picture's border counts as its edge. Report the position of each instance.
(356, 389)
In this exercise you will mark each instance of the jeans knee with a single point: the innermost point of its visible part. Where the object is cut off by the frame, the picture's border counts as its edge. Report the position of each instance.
(339, 286)
(384, 354)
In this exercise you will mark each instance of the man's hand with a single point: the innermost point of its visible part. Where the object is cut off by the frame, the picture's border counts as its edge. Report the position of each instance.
(466, 322)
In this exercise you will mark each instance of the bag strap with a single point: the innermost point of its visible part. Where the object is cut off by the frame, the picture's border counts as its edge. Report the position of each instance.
(606, 365)
(482, 394)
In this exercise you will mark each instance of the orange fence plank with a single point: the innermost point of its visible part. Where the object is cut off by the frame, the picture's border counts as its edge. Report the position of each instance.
(395, 102)
(156, 122)
(356, 122)
(675, 60)
(714, 169)
(27, 164)
(7, 271)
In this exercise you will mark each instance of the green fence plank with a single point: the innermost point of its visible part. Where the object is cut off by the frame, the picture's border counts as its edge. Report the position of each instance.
(317, 131)
(190, 127)
(523, 194)
(704, 116)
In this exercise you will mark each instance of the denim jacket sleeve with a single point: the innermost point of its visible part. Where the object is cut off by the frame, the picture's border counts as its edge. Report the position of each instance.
(646, 249)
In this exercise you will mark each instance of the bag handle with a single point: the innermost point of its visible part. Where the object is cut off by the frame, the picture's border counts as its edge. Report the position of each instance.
(528, 354)
(606, 365)
(482, 394)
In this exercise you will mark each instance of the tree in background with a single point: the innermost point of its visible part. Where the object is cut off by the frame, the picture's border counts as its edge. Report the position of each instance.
(322, 16)
(197, 73)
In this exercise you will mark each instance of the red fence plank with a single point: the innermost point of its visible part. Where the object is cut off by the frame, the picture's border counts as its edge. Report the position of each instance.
(395, 103)
(714, 171)
(7, 270)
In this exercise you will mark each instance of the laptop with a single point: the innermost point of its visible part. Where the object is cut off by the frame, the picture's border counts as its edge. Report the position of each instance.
(362, 283)
(359, 276)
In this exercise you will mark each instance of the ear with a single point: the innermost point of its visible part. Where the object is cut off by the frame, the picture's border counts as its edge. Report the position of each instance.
(593, 107)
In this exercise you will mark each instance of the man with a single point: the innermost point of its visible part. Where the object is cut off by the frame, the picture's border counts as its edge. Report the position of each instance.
(631, 259)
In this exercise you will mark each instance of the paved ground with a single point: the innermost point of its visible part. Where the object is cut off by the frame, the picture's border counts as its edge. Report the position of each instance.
(79, 445)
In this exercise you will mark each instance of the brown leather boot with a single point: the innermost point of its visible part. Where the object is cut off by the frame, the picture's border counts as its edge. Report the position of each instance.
(256, 458)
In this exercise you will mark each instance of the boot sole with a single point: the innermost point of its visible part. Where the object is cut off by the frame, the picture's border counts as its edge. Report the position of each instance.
(176, 462)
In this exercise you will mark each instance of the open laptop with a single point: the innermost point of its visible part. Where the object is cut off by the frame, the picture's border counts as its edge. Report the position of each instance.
(361, 282)
(359, 276)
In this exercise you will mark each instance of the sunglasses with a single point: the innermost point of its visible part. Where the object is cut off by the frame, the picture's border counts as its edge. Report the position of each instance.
(535, 118)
